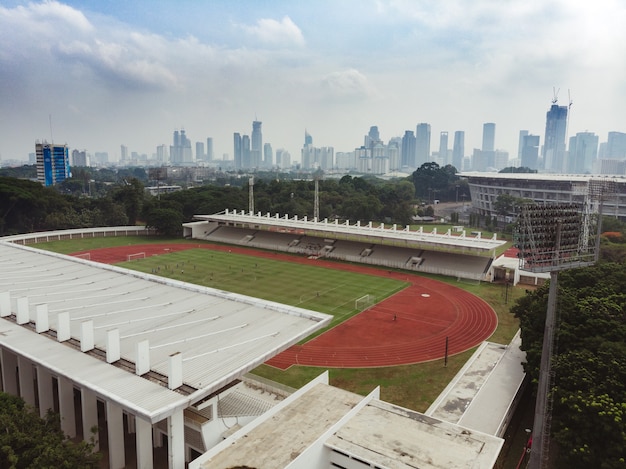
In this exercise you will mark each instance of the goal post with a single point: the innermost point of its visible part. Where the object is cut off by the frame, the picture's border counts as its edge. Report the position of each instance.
(363, 302)
(137, 255)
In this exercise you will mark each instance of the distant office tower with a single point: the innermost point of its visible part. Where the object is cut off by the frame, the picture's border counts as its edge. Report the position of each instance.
(501, 159)
(200, 151)
(268, 155)
(180, 151)
(372, 138)
(393, 153)
(407, 153)
(79, 158)
(161, 154)
(209, 149)
(554, 140)
(53, 163)
(530, 151)
(583, 151)
(616, 146)
(246, 154)
(520, 143)
(489, 137)
(237, 151)
(256, 145)
(422, 144)
(279, 157)
(308, 140)
(123, 153)
(286, 159)
(101, 157)
(458, 150)
(443, 148)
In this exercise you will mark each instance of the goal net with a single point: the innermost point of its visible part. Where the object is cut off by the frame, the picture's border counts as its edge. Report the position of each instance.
(137, 255)
(363, 302)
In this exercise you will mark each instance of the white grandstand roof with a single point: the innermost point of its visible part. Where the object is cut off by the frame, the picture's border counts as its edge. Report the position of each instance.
(543, 176)
(391, 234)
(220, 335)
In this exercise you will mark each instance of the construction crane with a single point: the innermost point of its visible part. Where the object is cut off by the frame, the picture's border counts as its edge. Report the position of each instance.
(555, 95)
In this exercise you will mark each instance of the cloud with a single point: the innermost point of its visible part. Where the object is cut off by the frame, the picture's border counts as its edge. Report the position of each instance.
(276, 33)
(347, 84)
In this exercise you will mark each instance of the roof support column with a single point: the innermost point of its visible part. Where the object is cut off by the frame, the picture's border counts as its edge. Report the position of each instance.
(176, 440)
(115, 430)
(89, 409)
(144, 443)
(44, 391)
(66, 406)
(9, 372)
(27, 380)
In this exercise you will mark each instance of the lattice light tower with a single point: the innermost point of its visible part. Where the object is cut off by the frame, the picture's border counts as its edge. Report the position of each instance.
(251, 196)
(552, 238)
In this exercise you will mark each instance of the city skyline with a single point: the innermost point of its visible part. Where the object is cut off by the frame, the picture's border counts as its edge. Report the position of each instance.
(102, 75)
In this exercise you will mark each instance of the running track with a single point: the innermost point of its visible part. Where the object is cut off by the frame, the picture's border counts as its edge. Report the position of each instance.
(409, 327)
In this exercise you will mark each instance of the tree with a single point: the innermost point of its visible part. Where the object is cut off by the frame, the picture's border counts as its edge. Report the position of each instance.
(167, 221)
(26, 441)
(589, 391)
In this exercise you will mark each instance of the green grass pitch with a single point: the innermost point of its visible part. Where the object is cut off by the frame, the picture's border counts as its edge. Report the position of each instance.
(316, 288)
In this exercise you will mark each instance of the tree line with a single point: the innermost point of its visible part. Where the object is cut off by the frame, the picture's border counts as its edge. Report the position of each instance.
(109, 198)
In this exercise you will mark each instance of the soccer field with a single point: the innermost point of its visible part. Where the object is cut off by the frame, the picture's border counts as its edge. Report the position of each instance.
(319, 289)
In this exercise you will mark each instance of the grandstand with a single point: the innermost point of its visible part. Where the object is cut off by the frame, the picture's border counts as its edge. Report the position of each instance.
(453, 254)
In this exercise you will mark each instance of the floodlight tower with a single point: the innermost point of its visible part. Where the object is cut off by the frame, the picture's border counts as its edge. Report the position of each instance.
(316, 204)
(552, 238)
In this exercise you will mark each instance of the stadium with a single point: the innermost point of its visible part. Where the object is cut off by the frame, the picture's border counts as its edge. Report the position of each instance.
(161, 365)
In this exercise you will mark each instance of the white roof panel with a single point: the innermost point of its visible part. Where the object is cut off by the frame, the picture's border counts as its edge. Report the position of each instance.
(220, 335)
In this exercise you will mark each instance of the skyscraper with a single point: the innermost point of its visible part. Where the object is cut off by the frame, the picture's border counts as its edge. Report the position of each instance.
(554, 140)
(237, 152)
(422, 144)
(200, 151)
(583, 151)
(458, 150)
(180, 151)
(407, 153)
(530, 151)
(53, 163)
(616, 146)
(308, 140)
(256, 145)
(520, 143)
(489, 137)
(443, 148)
(268, 155)
(246, 161)
(209, 149)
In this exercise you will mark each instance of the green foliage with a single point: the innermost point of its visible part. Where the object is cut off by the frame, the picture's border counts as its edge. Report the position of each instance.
(168, 222)
(26, 441)
(590, 364)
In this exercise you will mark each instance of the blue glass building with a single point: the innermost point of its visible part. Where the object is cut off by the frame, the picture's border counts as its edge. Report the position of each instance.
(53, 163)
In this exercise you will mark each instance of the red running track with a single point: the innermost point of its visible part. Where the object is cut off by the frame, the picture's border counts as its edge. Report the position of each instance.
(409, 327)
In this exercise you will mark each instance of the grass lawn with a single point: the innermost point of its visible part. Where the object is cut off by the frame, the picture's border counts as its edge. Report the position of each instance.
(319, 289)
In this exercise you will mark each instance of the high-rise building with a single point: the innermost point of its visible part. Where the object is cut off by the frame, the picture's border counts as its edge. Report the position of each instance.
(80, 158)
(554, 139)
(308, 140)
(422, 144)
(256, 145)
(583, 151)
(268, 155)
(237, 151)
(180, 151)
(616, 146)
(161, 154)
(123, 153)
(520, 143)
(246, 161)
(209, 149)
(53, 163)
(458, 150)
(530, 151)
(489, 136)
(200, 151)
(407, 153)
(443, 148)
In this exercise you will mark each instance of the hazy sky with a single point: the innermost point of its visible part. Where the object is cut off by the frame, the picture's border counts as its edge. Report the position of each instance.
(117, 71)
